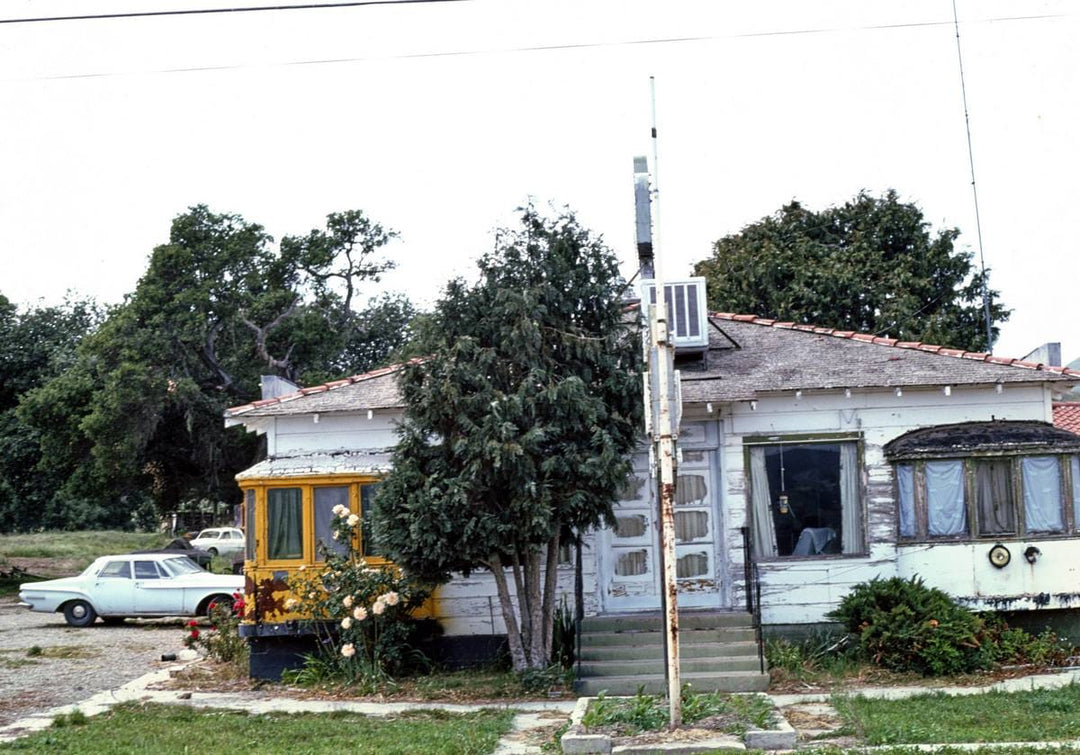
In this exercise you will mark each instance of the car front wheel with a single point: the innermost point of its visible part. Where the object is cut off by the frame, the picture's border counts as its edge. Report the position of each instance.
(224, 601)
(79, 613)
(213, 552)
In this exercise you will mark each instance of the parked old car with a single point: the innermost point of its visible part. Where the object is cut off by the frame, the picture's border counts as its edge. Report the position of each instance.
(132, 585)
(178, 546)
(220, 541)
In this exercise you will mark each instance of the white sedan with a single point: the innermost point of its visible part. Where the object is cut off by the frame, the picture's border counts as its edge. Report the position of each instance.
(137, 584)
(223, 541)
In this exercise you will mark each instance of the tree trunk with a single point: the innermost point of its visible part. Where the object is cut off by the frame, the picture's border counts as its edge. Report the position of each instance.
(513, 634)
(523, 602)
(551, 587)
(536, 610)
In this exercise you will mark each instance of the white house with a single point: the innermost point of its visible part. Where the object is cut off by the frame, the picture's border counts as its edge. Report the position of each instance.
(810, 460)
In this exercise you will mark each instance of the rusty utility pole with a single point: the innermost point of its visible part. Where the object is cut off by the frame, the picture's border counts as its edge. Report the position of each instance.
(664, 430)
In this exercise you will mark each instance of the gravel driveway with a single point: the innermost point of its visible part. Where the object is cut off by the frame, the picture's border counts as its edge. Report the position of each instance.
(73, 664)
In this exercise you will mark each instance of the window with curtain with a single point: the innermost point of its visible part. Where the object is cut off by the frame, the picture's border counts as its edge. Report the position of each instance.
(325, 499)
(249, 524)
(806, 499)
(284, 524)
(367, 500)
(987, 496)
(1042, 493)
(947, 514)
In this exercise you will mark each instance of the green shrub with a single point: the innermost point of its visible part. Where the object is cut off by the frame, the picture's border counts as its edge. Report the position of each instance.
(904, 625)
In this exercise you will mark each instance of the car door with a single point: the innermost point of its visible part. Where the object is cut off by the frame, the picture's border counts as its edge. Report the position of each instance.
(114, 588)
(155, 591)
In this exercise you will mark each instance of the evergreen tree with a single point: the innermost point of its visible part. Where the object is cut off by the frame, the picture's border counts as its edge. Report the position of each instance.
(518, 423)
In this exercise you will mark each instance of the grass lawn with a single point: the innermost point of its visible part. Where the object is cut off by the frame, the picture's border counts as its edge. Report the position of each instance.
(83, 546)
(166, 729)
(1033, 716)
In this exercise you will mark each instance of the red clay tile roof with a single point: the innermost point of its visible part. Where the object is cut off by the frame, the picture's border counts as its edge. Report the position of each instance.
(384, 394)
(868, 338)
(1067, 416)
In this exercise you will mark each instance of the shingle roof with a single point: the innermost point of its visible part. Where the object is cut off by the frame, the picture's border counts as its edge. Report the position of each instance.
(1067, 416)
(372, 390)
(750, 355)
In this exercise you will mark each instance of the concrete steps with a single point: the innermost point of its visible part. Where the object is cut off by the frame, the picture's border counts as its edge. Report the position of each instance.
(621, 654)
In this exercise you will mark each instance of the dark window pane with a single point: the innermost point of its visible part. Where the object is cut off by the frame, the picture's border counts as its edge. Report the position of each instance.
(325, 501)
(995, 507)
(146, 570)
(809, 475)
(284, 524)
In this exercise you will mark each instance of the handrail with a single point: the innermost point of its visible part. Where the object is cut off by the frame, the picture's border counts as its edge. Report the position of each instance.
(752, 584)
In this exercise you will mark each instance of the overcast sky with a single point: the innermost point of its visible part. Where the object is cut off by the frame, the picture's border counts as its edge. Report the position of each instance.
(439, 119)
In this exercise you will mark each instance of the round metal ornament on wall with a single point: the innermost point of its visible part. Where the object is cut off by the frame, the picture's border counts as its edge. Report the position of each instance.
(999, 556)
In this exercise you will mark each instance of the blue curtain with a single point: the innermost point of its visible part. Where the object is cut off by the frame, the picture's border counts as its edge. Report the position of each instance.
(905, 477)
(1042, 493)
(945, 498)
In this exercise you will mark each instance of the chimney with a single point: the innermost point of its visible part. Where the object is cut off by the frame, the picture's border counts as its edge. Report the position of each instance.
(273, 386)
(1048, 354)
(643, 218)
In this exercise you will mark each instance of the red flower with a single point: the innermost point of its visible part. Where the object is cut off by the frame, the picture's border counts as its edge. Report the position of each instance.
(193, 623)
(194, 634)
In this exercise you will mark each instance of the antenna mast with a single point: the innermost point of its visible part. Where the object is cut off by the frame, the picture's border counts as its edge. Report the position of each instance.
(974, 191)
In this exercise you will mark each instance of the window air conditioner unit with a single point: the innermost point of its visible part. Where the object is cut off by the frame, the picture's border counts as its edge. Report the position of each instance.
(686, 311)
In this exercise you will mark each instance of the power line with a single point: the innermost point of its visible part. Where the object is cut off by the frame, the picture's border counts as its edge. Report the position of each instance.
(209, 11)
(533, 48)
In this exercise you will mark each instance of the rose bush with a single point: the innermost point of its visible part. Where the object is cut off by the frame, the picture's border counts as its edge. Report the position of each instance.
(222, 641)
(361, 612)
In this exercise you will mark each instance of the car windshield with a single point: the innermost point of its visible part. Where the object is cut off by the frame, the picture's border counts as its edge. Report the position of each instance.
(180, 566)
(207, 535)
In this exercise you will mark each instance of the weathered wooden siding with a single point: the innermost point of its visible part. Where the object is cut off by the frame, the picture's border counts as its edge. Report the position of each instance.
(470, 605)
(302, 434)
(798, 591)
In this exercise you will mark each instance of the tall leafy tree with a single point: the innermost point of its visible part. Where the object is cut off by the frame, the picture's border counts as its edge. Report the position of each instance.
(35, 345)
(518, 422)
(871, 264)
(135, 421)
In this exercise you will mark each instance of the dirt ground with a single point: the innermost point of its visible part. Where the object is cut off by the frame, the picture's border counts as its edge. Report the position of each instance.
(45, 663)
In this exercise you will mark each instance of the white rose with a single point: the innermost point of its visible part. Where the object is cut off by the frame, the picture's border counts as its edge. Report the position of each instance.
(348, 650)
(347, 602)
(359, 613)
(378, 607)
(391, 598)
(353, 520)
(346, 623)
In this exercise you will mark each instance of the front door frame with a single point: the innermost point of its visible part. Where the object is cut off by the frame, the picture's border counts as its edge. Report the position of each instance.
(701, 449)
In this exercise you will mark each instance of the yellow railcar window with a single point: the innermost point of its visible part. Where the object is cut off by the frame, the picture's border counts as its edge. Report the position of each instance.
(284, 524)
(326, 498)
